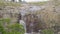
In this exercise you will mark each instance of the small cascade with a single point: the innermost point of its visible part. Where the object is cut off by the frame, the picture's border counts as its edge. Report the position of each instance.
(30, 29)
(22, 22)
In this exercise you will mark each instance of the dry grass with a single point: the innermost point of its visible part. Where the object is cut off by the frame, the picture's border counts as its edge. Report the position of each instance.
(37, 3)
(49, 16)
(9, 4)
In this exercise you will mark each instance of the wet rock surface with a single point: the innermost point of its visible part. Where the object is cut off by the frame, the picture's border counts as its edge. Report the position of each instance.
(11, 11)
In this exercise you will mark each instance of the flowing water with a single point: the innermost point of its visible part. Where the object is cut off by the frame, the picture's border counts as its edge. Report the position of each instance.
(27, 9)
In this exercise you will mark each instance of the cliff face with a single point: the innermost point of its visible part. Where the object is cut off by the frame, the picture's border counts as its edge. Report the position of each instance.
(46, 13)
(9, 12)
(13, 12)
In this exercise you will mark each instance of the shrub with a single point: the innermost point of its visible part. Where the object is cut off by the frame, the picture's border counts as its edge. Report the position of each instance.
(11, 29)
(16, 29)
(47, 31)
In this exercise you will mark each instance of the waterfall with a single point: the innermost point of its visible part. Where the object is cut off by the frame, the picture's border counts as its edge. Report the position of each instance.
(22, 21)
(24, 24)
(25, 10)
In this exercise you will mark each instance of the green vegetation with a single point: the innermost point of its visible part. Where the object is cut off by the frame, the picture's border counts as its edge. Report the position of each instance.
(47, 31)
(38, 3)
(11, 29)
(16, 29)
(2, 3)
(2, 31)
